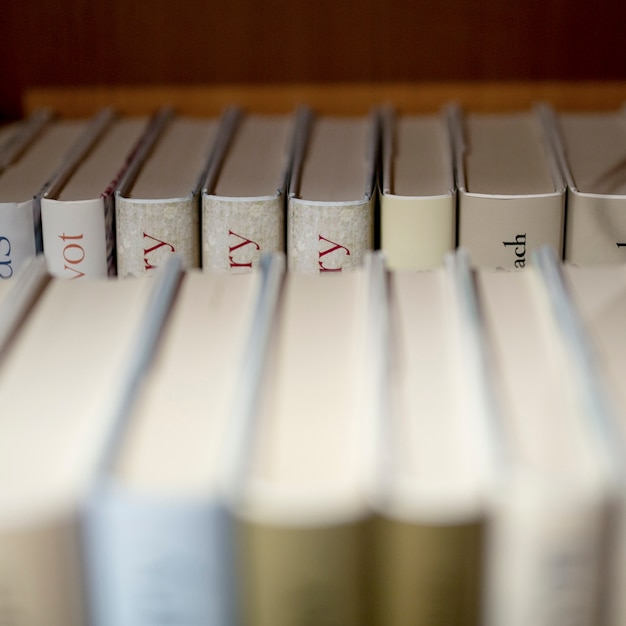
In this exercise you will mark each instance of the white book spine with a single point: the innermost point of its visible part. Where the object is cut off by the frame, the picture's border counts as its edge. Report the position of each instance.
(17, 236)
(544, 559)
(75, 237)
(153, 562)
(237, 231)
(148, 232)
(548, 536)
(605, 430)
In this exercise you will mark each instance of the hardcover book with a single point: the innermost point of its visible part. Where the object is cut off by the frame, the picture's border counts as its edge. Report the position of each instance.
(77, 212)
(592, 151)
(597, 297)
(157, 204)
(17, 136)
(300, 503)
(550, 510)
(65, 383)
(330, 213)
(418, 195)
(29, 169)
(159, 533)
(436, 454)
(244, 197)
(511, 190)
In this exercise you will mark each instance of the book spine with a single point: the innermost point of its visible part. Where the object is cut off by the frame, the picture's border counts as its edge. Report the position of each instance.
(544, 560)
(75, 237)
(41, 579)
(328, 237)
(17, 236)
(153, 562)
(596, 229)
(416, 233)
(428, 575)
(235, 233)
(502, 232)
(295, 575)
(149, 232)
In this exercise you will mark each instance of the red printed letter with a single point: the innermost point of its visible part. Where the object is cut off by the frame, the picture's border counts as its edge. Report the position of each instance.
(334, 247)
(147, 251)
(244, 242)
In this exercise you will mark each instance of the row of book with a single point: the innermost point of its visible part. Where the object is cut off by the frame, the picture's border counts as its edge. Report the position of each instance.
(371, 447)
(117, 195)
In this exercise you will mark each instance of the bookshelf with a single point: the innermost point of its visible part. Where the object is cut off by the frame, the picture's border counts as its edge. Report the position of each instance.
(335, 98)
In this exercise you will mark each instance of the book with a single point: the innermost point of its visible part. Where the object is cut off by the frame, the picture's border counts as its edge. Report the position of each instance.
(65, 384)
(418, 194)
(18, 296)
(7, 131)
(30, 166)
(159, 534)
(77, 212)
(550, 510)
(593, 303)
(592, 151)
(436, 456)
(157, 203)
(244, 197)
(331, 204)
(511, 193)
(17, 136)
(299, 502)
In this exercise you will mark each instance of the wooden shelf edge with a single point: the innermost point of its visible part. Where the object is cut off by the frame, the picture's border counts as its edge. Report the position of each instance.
(335, 98)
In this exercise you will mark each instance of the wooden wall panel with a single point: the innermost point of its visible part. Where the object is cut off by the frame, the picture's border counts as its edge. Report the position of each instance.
(118, 42)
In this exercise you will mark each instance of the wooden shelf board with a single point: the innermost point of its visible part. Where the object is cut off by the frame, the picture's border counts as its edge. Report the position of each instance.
(340, 98)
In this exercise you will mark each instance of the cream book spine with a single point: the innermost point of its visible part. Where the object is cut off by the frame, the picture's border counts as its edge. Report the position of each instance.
(328, 231)
(511, 192)
(418, 194)
(55, 435)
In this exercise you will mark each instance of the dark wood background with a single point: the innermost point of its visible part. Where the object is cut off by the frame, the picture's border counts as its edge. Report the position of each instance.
(175, 42)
